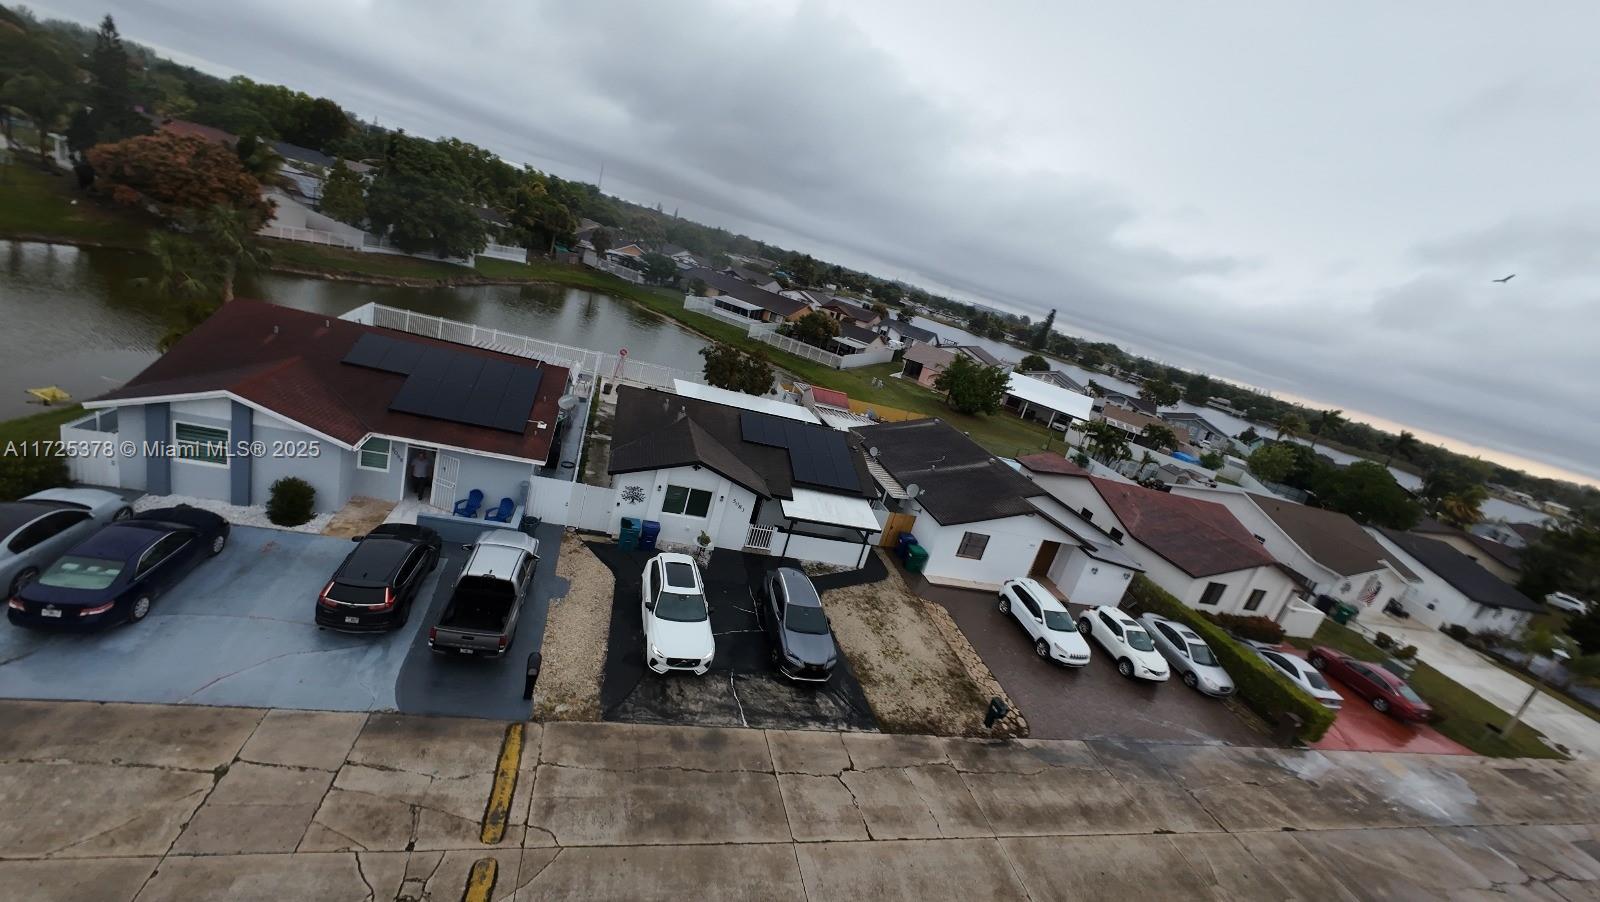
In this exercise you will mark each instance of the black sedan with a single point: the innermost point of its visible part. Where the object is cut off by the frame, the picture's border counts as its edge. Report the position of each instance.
(374, 588)
(791, 614)
(115, 574)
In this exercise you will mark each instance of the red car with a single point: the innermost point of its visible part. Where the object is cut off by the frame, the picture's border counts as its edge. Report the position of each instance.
(1388, 693)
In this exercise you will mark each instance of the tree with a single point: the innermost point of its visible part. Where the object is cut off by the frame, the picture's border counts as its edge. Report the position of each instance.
(1565, 558)
(1160, 392)
(697, 287)
(970, 387)
(1213, 460)
(1368, 492)
(1272, 463)
(417, 201)
(1095, 389)
(1197, 390)
(259, 159)
(1249, 436)
(660, 269)
(1291, 425)
(1033, 363)
(540, 218)
(40, 98)
(344, 195)
(1459, 480)
(178, 175)
(730, 368)
(1041, 336)
(1105, 442)
(601, 239)
(1402, 446)
(315, 123)
(207, 256)
(1327, 422)
(110, 116)
(815, 329)
(1158, 436)
(1462, 509)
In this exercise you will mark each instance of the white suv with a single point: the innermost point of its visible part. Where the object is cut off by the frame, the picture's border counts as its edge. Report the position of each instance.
(677, 622)
(1126, 641)
(1046, 621)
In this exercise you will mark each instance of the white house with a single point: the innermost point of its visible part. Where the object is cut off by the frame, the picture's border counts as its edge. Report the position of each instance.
(1050, 403)
(1194, 549)
(1453, 589)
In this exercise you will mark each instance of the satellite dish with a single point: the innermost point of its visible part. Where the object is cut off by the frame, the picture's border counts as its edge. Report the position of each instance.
(567, 402)
(873, 450)
(913, 490)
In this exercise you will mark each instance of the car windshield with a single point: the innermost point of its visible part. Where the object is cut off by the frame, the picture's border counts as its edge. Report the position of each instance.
(1059, 621)
(73, 572)
(1139, 640)
(1202, 655)
(805, 619)
(682, 608)
(1410, 696)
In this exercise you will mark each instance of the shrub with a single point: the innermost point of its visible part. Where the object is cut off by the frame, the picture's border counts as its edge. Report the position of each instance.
(21, 476)
(292, 501)
(1267, 692)
(1407, 653)
(1458, 632)
(1259, 629)
(1383, 641)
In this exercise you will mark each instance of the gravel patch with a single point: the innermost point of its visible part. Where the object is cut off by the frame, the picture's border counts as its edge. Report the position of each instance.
(233, 513)
(575, 634)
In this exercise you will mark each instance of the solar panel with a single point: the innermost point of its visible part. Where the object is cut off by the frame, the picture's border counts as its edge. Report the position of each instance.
(817, 455)
(445, 384)
(368, 351)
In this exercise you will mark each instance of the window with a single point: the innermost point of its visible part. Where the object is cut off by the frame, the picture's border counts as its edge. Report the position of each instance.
(972, 546)
(1255, 599)
(1116, 536)
(1112, 625)
(1087, 514)
(1171, 635)
(688, 502)
(1213, 593)
(160, 551)
(374, 455)
(200, 444)
(45, 528)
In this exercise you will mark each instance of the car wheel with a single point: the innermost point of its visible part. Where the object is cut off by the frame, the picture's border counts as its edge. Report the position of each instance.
(218, 543)
(141, 609)
(122, 513)
(1043, 648)
(1085, 627)
(1318, 661)
(1190, 680)
(25, 576)
(1125, 667)
(1004, 605)
(1381, 705)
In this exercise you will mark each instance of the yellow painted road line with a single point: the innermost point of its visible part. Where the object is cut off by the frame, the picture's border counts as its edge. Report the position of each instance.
(480, 880)
(505, 786)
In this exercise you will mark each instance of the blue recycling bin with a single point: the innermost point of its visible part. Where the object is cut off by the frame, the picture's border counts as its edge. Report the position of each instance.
(647, 535)
(628, 539)
(902, 545)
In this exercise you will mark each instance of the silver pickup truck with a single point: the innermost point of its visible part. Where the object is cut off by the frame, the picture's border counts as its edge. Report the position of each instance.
(482, 614)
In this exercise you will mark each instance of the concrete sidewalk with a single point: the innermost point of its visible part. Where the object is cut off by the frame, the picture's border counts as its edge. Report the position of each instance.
(121, 802)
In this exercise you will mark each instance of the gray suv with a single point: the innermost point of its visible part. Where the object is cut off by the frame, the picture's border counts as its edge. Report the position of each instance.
(791, 614)
(1191, 658)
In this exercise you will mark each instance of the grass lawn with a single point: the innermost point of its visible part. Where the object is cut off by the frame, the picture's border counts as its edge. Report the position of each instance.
(34, 427)
(1464, 715)
(38, 203)
(1552, 691)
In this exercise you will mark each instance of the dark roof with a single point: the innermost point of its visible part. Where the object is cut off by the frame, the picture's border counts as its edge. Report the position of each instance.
(1502, 553)
(851, 309)
(491, 216)
(1331, 539)
(196, 130)
(981, 355)
(859, 333)
(303, 154)
(743, 291)
(1132, 402)
(1530, 532)
(289, 362)
(960, 481)
(1201, 538)
(1465, 574)
(1054, 464)
(906, 330)
(1184, 416)
(752, 276)
(654, 430)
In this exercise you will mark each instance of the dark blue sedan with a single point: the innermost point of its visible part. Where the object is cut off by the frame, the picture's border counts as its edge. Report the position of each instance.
(115, 574)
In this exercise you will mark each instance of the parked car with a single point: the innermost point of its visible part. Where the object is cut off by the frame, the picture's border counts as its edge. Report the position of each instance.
(1300, 673)
(1561, 601)
(1126, 642)
(375, 587)
(37, 529)
(1189, 655)
(488, 596)
(677, 620)
(117, 573)
(1387, 692)
(791, 613)
(1046, 621)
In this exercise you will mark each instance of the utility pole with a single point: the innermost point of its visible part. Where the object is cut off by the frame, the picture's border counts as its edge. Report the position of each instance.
(1533, 692)
(602, 183)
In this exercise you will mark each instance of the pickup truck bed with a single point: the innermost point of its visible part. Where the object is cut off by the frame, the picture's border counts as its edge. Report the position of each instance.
(476, 618)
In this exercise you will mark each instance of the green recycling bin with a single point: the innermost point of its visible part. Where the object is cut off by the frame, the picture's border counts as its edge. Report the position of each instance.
(916, 558)
(1343, 613)
(628, 538)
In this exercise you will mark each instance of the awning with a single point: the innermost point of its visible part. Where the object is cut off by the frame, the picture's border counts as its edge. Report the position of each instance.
(724, 300)
(830, 509)
(1051, 396)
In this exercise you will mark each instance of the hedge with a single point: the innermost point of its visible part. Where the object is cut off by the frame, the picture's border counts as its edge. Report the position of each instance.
(291, 502)
(1266, 691)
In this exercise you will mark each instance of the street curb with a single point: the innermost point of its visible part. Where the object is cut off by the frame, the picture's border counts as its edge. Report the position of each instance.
(498, 810)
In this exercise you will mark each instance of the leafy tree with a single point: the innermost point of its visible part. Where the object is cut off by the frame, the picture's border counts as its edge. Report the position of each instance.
(1328, 421)
(1105, 442)
(315, 123)
(1564, 558)
(1033, 363)
(660, 269)
(344, 195)
(730, 368)
(1368, 492)
(601, 239)
(1291, 425)
(1458, 480)
(417, 201)
(1461, 509)
(1095, 389)
(1402, 446)
(1249, 436)
(697, 287)
(1585, 630)
(1160, 392)
(971, 387)
(110, 115)
(178, 174)
(1041, 336)
(1213, 460)
(1159, 437)
(815, 329)
(1272, 463)
(540, 218)
(259, 159)
(205, 259)
(1197, 390)
(40, 98)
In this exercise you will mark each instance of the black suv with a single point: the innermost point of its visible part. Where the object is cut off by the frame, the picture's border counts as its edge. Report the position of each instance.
(374, 588)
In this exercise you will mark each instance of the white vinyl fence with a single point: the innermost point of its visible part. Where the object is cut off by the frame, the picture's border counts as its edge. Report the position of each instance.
(309, 236)
(572, 504)
(768, 334)
(505, 252)
(94, 456)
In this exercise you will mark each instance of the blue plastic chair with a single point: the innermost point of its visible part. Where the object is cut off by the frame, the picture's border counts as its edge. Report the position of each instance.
(501, 514)
(468, 507)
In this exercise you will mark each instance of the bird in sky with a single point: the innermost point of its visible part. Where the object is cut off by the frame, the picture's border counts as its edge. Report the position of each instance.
(1505, 280)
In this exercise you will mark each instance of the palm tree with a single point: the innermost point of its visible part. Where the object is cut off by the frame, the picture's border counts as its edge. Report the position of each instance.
(1402, 446)
(1291, 425)
(1159, 437)
(1461, 509)
(1327, 421)
(228, 237)
(1105, 442)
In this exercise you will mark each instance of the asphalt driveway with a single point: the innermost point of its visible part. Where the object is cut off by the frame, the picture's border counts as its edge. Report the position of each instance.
(1093, 702)
(742, 688)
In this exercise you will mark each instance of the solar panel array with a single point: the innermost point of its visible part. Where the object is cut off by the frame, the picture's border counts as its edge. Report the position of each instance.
(445, 384)
(817, 455)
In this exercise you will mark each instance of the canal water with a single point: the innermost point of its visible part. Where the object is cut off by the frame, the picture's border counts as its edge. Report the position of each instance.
(77, 317)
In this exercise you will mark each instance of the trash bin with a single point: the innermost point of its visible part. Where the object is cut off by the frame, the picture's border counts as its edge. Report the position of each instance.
(1343, 613)
(647, 535)
(628, 539)
(903, 543)
(916, 558)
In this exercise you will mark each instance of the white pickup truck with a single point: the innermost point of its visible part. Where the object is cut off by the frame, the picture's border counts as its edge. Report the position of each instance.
(481, 617)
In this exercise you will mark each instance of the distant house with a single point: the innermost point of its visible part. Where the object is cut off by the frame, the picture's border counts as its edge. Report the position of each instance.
(196, 130)
(854, 339)
(907, 334)
(1112, 397)
(1514, 535)
(740, 298)
(1046, 402)
(1132, 422)
(1056, 377)
(1196, 429)
(1504, 561)
(759, 279)
(308, 169)
(923, 363)
(850, 312)
(680, 256)
(1453, 589)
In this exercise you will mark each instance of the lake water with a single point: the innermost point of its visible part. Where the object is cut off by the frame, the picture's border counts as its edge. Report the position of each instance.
(73, 317)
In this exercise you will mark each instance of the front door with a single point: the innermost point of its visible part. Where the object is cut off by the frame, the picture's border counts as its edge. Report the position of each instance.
(1043, 560)
(446, 470)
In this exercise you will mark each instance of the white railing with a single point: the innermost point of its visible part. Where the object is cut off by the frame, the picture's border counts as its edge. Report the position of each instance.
(308, 236)
(768, 333)
(621, 272)
(709, 307)
(760, 538)
(505, 252)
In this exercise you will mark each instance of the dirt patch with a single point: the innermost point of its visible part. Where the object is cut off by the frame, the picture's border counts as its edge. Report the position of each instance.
(918, 671)
(575, 636)
(359, 516)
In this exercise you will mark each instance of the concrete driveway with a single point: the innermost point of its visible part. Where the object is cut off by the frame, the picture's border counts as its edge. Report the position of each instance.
(1557, 720)
(1093, 702)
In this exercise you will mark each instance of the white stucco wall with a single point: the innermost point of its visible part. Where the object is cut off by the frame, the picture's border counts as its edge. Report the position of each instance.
(1433, 602)
(131, 471)
(727, 521)
(826, 551)
(1088, 581)
(193, 478)
(1013, 544)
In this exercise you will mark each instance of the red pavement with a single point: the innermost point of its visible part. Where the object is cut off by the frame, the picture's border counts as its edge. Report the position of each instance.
(1361, 728)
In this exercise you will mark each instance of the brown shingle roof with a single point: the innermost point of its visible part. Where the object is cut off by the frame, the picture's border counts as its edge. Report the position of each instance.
(1331, 539)
(288, 361)
(1045, 462)
(1200, 538)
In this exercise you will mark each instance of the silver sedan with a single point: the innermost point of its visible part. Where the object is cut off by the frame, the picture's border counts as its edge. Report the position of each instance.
(1191, 658)
(39, 528)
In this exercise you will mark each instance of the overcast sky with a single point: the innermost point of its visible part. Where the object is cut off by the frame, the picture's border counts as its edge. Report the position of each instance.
(1311, 198)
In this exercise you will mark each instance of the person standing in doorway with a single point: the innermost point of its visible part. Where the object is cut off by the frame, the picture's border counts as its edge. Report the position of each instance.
(421, 469)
